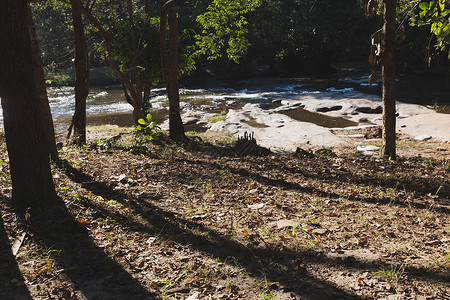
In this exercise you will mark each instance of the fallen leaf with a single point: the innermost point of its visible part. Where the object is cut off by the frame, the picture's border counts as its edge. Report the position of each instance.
(320, 231)
(18, 243)
(194, 296)
(198, 217)
(256, 206)
(151, 240)
(283, 224)
(83, 222)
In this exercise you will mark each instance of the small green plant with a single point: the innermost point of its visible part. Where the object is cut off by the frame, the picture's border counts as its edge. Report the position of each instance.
(268, 295)
(442, 263)
(171, 282)
(146, 131)
(392, 273)
(327, 152)
(264, 288)
(104, 145)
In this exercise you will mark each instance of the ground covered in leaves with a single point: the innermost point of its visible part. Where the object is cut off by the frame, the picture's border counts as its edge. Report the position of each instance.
(182, 222)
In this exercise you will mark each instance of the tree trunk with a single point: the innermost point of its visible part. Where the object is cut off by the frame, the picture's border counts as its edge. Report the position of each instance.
(82, 76)
(42, 89)
(147, 8)
(29, 161)
(134, 66)
(130, 92)
(169, 63)
(388, 71)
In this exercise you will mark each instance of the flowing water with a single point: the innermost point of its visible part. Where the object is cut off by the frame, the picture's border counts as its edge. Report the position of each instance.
(108, 105)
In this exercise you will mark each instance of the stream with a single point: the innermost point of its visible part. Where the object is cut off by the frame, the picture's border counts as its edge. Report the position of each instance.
(108, 106)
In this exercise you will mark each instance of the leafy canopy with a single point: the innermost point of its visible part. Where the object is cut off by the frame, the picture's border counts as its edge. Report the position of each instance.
(434, 13)
(224, 29)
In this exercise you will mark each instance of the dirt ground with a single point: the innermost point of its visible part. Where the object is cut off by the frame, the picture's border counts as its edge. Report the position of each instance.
(197, 221)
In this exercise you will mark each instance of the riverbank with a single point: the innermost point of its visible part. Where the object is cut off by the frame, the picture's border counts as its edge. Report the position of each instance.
(315, 121)
(165, 221)
(318, 120)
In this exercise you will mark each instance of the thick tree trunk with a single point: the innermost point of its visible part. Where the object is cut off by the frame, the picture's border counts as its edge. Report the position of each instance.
(26, 143)
(42, 89)
(169, 63)
(388, 70)
(82, 76)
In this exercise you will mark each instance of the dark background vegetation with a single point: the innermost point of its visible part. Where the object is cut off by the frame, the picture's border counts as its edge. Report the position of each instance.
(287, 37)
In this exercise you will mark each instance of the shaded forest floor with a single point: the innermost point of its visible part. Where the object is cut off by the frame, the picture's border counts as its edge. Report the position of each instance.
(173, 222)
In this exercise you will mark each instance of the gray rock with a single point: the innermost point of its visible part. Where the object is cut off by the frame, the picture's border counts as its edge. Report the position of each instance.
(422, 138)
(190, 120)
(185, 106)
(327, 109)
(369, 110)
(364, 148)
(209, 107)
(355, 136)
(264, 105)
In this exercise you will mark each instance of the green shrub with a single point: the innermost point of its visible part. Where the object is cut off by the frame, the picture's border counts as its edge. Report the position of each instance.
(146, 131)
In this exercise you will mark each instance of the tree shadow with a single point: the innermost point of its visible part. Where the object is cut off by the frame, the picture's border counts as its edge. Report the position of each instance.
(285, 267)
(80, 261)
(248, 146)
(429, 185)
(12, 283)
(440, 205)
(182, 231)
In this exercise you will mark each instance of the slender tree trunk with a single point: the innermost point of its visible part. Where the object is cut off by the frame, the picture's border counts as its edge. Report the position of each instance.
(147, 85)
(169, 63)
(42, 88)
(146, 95)
(134, 46)
(82, 76)
(129, 90)
(29, 161)
(388, 70)
(147, 8)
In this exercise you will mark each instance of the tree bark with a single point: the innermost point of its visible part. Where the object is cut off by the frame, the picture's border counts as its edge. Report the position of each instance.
(82, 76)
(42, 88)
(388, 72)
(134, 46)
(147, 8)
(29, 161)
(129, 90)
(169, 63)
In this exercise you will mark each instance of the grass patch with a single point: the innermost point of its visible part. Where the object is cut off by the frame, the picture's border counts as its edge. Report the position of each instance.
(221, 117)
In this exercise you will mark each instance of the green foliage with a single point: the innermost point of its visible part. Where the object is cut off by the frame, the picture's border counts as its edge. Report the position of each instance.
(148, 55)
(146, 131)
(55, 78)
(146, 30)
(304, 36)
(392, 273)
(224, 29)
(327, 152)
(221, 117)
(53, 23)
(436, 14)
